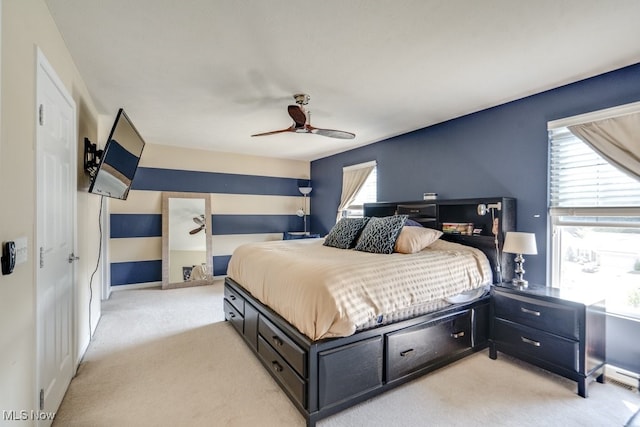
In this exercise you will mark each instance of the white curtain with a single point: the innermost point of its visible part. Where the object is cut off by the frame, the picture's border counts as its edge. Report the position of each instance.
(353, 178)
(616, 139)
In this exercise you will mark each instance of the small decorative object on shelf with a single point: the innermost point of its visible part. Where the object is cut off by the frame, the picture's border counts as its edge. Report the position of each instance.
(429, 196)
(520, 243)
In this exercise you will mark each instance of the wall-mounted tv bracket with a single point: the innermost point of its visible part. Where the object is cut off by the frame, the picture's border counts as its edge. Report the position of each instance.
(92, 157)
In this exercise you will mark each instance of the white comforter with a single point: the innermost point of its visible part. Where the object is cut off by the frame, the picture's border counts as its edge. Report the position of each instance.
(327, 292)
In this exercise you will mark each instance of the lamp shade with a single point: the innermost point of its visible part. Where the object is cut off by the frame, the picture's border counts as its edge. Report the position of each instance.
(520, 243)
(305, 190)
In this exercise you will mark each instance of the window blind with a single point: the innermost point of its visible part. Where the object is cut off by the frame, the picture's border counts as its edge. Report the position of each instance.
(581, 178)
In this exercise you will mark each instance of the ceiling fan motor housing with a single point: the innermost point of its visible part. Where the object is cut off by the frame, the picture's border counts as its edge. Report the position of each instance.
(301, 98)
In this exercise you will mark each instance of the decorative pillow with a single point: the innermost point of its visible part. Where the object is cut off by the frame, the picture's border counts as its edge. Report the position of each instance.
(415, 239)
(380, 234)
(412, 223)
(344, 234)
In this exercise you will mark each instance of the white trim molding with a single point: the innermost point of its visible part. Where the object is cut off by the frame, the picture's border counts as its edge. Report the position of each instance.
(620, 110)
(360, 166)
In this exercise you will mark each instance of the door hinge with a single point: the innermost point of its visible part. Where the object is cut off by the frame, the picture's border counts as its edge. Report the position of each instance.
(41, 399)
(41, 257)
(41, 114)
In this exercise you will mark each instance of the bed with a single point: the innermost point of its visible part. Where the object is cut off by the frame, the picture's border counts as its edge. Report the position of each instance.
(336, 326)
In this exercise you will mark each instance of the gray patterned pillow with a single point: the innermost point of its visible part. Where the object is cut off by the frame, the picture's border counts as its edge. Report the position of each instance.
(343, 235)
(380, 234)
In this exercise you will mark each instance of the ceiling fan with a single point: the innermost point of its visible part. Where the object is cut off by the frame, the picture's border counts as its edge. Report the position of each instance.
(301, 118)
(201, 224)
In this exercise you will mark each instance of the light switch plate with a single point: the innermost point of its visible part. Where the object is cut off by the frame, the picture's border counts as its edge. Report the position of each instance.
(21, 250)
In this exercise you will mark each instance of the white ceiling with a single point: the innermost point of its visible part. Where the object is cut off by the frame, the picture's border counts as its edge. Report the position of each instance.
(209, 73)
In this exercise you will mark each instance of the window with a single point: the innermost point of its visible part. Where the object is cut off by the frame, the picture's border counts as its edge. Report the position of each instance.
(595, 223)
(367, 194)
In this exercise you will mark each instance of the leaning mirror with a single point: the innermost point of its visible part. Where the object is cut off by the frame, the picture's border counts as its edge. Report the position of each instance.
(187, 258)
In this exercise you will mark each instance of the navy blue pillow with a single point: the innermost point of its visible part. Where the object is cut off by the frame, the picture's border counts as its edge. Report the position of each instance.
(344, 234)
(412, 223)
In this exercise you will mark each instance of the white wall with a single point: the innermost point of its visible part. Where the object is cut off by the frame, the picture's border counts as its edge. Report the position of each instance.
(25, 25)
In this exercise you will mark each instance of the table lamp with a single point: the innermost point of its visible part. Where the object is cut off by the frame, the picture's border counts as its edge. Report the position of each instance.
(520, 244)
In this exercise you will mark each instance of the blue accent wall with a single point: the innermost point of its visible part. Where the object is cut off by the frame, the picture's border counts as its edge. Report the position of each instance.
(124, 273)
(501, 151)
(158, 179)
(135, 225)
(253, 224)
(220, 264)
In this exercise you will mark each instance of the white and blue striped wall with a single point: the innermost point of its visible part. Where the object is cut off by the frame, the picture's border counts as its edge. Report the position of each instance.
(253, 199)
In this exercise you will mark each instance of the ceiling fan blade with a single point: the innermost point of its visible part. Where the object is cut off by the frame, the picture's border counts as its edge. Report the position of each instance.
(301, 121)
(298, 114)
(197, 230)
(273, 132)
(332, 133)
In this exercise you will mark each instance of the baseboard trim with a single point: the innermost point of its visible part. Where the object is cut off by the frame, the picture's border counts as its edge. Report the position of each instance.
(622, 377)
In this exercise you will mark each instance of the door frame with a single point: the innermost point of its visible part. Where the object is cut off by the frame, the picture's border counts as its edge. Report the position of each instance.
(43, 65)
(105, 272)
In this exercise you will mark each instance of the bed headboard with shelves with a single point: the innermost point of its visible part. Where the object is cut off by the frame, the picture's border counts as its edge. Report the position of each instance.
(461, 222)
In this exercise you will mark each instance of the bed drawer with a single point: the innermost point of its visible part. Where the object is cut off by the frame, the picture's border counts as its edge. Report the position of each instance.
(419, 346)
(538, 344)
(289, 350)
(233, 316)
(235, 299)
(554, 318)
(283, 373)
(349, 370)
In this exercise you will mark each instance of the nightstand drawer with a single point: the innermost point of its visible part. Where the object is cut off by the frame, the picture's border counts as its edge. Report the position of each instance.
(554, 318)
(550, 348)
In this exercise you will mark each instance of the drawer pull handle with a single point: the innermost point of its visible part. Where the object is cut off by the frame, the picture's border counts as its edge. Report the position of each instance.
(406, 352)
(277, 341)
(232, 315)
(530, 341)
(458, 334)
(232, 297)
(533, 312)
(276, 366)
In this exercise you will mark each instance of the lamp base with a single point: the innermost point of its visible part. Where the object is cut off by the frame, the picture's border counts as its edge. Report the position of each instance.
(520, 283)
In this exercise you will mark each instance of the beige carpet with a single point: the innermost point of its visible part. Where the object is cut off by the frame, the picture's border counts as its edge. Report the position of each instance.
(167, 358)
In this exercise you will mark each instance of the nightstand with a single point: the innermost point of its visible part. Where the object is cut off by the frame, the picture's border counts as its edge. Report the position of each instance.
(292, 235)
(558, 330)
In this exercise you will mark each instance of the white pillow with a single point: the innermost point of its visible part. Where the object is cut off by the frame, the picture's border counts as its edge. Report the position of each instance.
(415, 239)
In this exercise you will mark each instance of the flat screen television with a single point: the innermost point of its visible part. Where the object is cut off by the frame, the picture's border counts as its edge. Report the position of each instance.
(119, 161)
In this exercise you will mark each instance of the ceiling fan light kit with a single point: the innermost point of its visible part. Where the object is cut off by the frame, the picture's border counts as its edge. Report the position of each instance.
(301, 121)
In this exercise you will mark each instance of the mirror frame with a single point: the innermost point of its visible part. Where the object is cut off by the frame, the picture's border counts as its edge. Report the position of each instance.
(165, 239)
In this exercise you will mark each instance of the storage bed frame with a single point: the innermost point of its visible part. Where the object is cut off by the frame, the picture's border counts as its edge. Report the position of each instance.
(326, 376)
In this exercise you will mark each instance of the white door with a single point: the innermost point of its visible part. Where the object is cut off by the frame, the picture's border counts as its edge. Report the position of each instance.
(55, 234)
